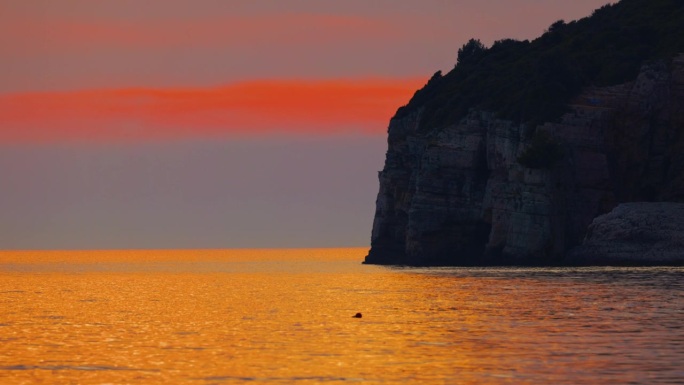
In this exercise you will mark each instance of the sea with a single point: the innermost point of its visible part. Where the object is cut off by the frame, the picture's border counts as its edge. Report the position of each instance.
(211, 317)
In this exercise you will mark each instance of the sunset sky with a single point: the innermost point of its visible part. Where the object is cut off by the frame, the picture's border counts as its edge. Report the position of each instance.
(217, 123)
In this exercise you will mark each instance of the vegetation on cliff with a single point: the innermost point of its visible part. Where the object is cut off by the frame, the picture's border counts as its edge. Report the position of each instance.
(544, 152)
(533, 81)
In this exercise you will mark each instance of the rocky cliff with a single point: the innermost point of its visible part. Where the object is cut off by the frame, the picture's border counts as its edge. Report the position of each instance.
(485, 190)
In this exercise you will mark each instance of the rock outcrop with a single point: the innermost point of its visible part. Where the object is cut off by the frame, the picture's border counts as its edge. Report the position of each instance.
(488, 191)
(642, 233)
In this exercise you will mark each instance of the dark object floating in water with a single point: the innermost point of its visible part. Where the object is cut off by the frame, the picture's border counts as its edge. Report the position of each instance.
(357, 315)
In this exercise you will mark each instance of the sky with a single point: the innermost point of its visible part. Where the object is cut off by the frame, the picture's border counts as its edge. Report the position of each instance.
(162, 124)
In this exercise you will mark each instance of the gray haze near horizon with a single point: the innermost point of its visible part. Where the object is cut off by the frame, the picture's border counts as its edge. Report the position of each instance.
(270, 192)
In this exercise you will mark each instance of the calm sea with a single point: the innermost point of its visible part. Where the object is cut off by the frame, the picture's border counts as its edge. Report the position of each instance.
(285, 317)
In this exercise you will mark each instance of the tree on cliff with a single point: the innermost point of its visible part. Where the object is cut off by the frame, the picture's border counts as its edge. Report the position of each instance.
(470, 52)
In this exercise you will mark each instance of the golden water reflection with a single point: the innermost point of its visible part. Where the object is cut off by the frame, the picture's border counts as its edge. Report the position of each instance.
(219, 317)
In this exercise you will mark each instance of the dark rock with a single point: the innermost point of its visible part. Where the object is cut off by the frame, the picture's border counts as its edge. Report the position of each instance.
(478, 192)
(635, 233)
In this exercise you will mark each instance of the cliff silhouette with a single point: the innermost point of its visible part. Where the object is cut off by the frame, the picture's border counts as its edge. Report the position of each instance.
(510, 157)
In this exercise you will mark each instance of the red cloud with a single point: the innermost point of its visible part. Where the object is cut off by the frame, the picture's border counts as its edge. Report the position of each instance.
(245, 109)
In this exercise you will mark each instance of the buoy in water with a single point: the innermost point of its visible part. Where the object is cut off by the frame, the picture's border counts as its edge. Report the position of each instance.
(357, 315)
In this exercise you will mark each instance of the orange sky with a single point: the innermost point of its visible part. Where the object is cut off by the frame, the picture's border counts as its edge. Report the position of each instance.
(240, 109)
(125, 69)
(85, 44)
(218, 123)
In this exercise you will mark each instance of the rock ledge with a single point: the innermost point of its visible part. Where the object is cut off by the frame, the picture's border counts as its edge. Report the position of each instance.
(635, 233)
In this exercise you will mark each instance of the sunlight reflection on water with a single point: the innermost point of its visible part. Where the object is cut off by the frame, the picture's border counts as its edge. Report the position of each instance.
(285, 316)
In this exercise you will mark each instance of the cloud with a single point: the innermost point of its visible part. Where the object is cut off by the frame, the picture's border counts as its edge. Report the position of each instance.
(241, 109)
(32, 36)
(52, 45)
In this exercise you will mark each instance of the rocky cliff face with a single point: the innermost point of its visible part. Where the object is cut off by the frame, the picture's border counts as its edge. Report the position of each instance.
(487, 191)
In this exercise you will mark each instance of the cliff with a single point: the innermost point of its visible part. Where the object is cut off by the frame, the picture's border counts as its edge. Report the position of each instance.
(480, 188)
